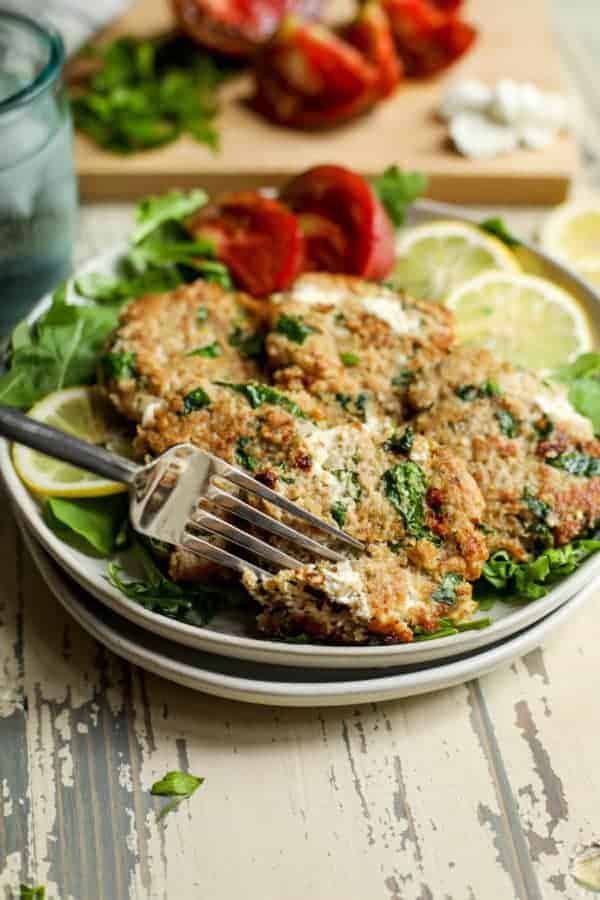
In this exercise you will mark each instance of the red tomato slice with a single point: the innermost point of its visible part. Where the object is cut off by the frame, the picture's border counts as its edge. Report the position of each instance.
(348, 201)
(237, 27)
(428, 38)
(326, 245)
(308, 77)
(372, 35)
(257, 238)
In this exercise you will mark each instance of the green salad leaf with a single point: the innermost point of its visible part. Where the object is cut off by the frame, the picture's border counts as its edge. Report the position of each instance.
(148, 92)
(155, 211)
(180, 785)
(294, 328)
(94, 525)
(582, 378)
(526, 581)
(195, 604)
(397, 190)
(57, 351)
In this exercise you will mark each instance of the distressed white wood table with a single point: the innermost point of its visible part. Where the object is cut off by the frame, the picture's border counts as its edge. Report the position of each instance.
(480, 792)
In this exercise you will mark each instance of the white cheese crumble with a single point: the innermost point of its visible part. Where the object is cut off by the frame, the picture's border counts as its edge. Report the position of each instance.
(326, 448)
(345, 585)
(556, 406)
(149, 410)
(390, 310)
(488, 121)
(311, 293)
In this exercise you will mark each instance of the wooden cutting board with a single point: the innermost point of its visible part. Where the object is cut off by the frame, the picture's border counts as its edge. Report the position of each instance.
(515, 40)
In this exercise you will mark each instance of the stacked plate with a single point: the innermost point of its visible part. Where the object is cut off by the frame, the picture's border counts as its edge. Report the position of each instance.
(223, 659)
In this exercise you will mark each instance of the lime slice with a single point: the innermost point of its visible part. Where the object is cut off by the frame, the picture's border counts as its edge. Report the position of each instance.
(572, 233)
(521, 318)
(433, 259)
(78, 411)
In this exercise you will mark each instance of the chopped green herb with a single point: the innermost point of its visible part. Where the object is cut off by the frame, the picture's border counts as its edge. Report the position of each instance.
(250, 344)
(147, 93)
(576, 463)
(338, 513)
(210, 350)
(403, 378)
(180, 785)
(350, 359)
(350, 483)
(397, 190)
(256, 394)
(497, 227)
(196, 399)
(544, 428)
(491, 389)
(242, 456)
(470, 392)
(215, 272)
(540, 512)
(405, 486)
(355, 406)
(294, 328)
(507, 423)
(400, 443)
(201, 315)
(119, 364)
(446, 592)
(539, 508)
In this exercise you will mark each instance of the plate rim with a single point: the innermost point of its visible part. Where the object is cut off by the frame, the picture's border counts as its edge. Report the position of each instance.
(260, 650)
(438, 676)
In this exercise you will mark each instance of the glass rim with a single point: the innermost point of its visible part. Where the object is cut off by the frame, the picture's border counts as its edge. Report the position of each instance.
(53, 41)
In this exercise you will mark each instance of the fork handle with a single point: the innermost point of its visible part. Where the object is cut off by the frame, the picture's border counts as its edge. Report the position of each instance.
(18, 427)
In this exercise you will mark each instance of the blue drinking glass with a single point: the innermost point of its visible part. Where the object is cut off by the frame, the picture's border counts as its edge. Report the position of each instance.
(38, 190)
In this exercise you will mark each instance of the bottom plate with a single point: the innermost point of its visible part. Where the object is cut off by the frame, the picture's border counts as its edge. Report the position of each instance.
(280, 685)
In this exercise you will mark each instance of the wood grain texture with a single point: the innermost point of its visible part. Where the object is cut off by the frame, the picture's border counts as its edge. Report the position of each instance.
(402, 130)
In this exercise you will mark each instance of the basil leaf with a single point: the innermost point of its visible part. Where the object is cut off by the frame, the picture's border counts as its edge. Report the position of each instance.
(210, 351)
(242, 456)
(256, 394)
(576, 463)
(119, 364)
(294, 328)
(400, 443)
(196, 399)
(405, 487)
(91, 525)
(338, 513)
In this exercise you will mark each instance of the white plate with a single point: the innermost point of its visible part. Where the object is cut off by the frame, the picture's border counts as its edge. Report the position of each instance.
(281, 685)
(228, 634)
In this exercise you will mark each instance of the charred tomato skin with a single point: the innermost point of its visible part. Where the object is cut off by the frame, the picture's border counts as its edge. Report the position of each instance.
(258, 238)
(347, 200)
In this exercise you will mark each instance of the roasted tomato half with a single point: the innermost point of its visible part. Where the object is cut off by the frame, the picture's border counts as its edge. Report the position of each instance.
(372, 35)
(428, 37)
(237, 27)
(308, 77)
(257, 238)
(347, 230)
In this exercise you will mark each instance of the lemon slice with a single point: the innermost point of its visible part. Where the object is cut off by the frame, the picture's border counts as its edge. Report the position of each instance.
(572, 233)
(522, 318)
(78, 411)
(433, 259)
(590, 270)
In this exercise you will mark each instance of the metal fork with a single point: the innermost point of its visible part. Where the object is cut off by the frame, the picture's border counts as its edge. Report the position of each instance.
(168, 497)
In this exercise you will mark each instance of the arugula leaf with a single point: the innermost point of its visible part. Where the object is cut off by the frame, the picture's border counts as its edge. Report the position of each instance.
(211, 351)
(576, 463)
(242, 456)
(446, 592)
(196, 399)
(294, 328)
(531, 580)
(180, 785)
(256, 394)
(400, 443)
(195, 604)
(148, 92)
(32, 893)
(507, 423)
(152, 212)
(350, 359)
(397, 190)
(583, 380)
(57, 351)
(93, 525)
(405, 486)
(497, 227)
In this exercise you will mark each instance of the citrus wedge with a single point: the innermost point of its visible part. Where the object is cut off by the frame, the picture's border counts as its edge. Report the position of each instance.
(572, 233)
(433, 259)
(522, 318)
(78, 411)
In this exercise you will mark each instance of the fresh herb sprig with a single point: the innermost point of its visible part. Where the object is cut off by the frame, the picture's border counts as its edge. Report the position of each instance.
(148, 92)
(397, 190)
